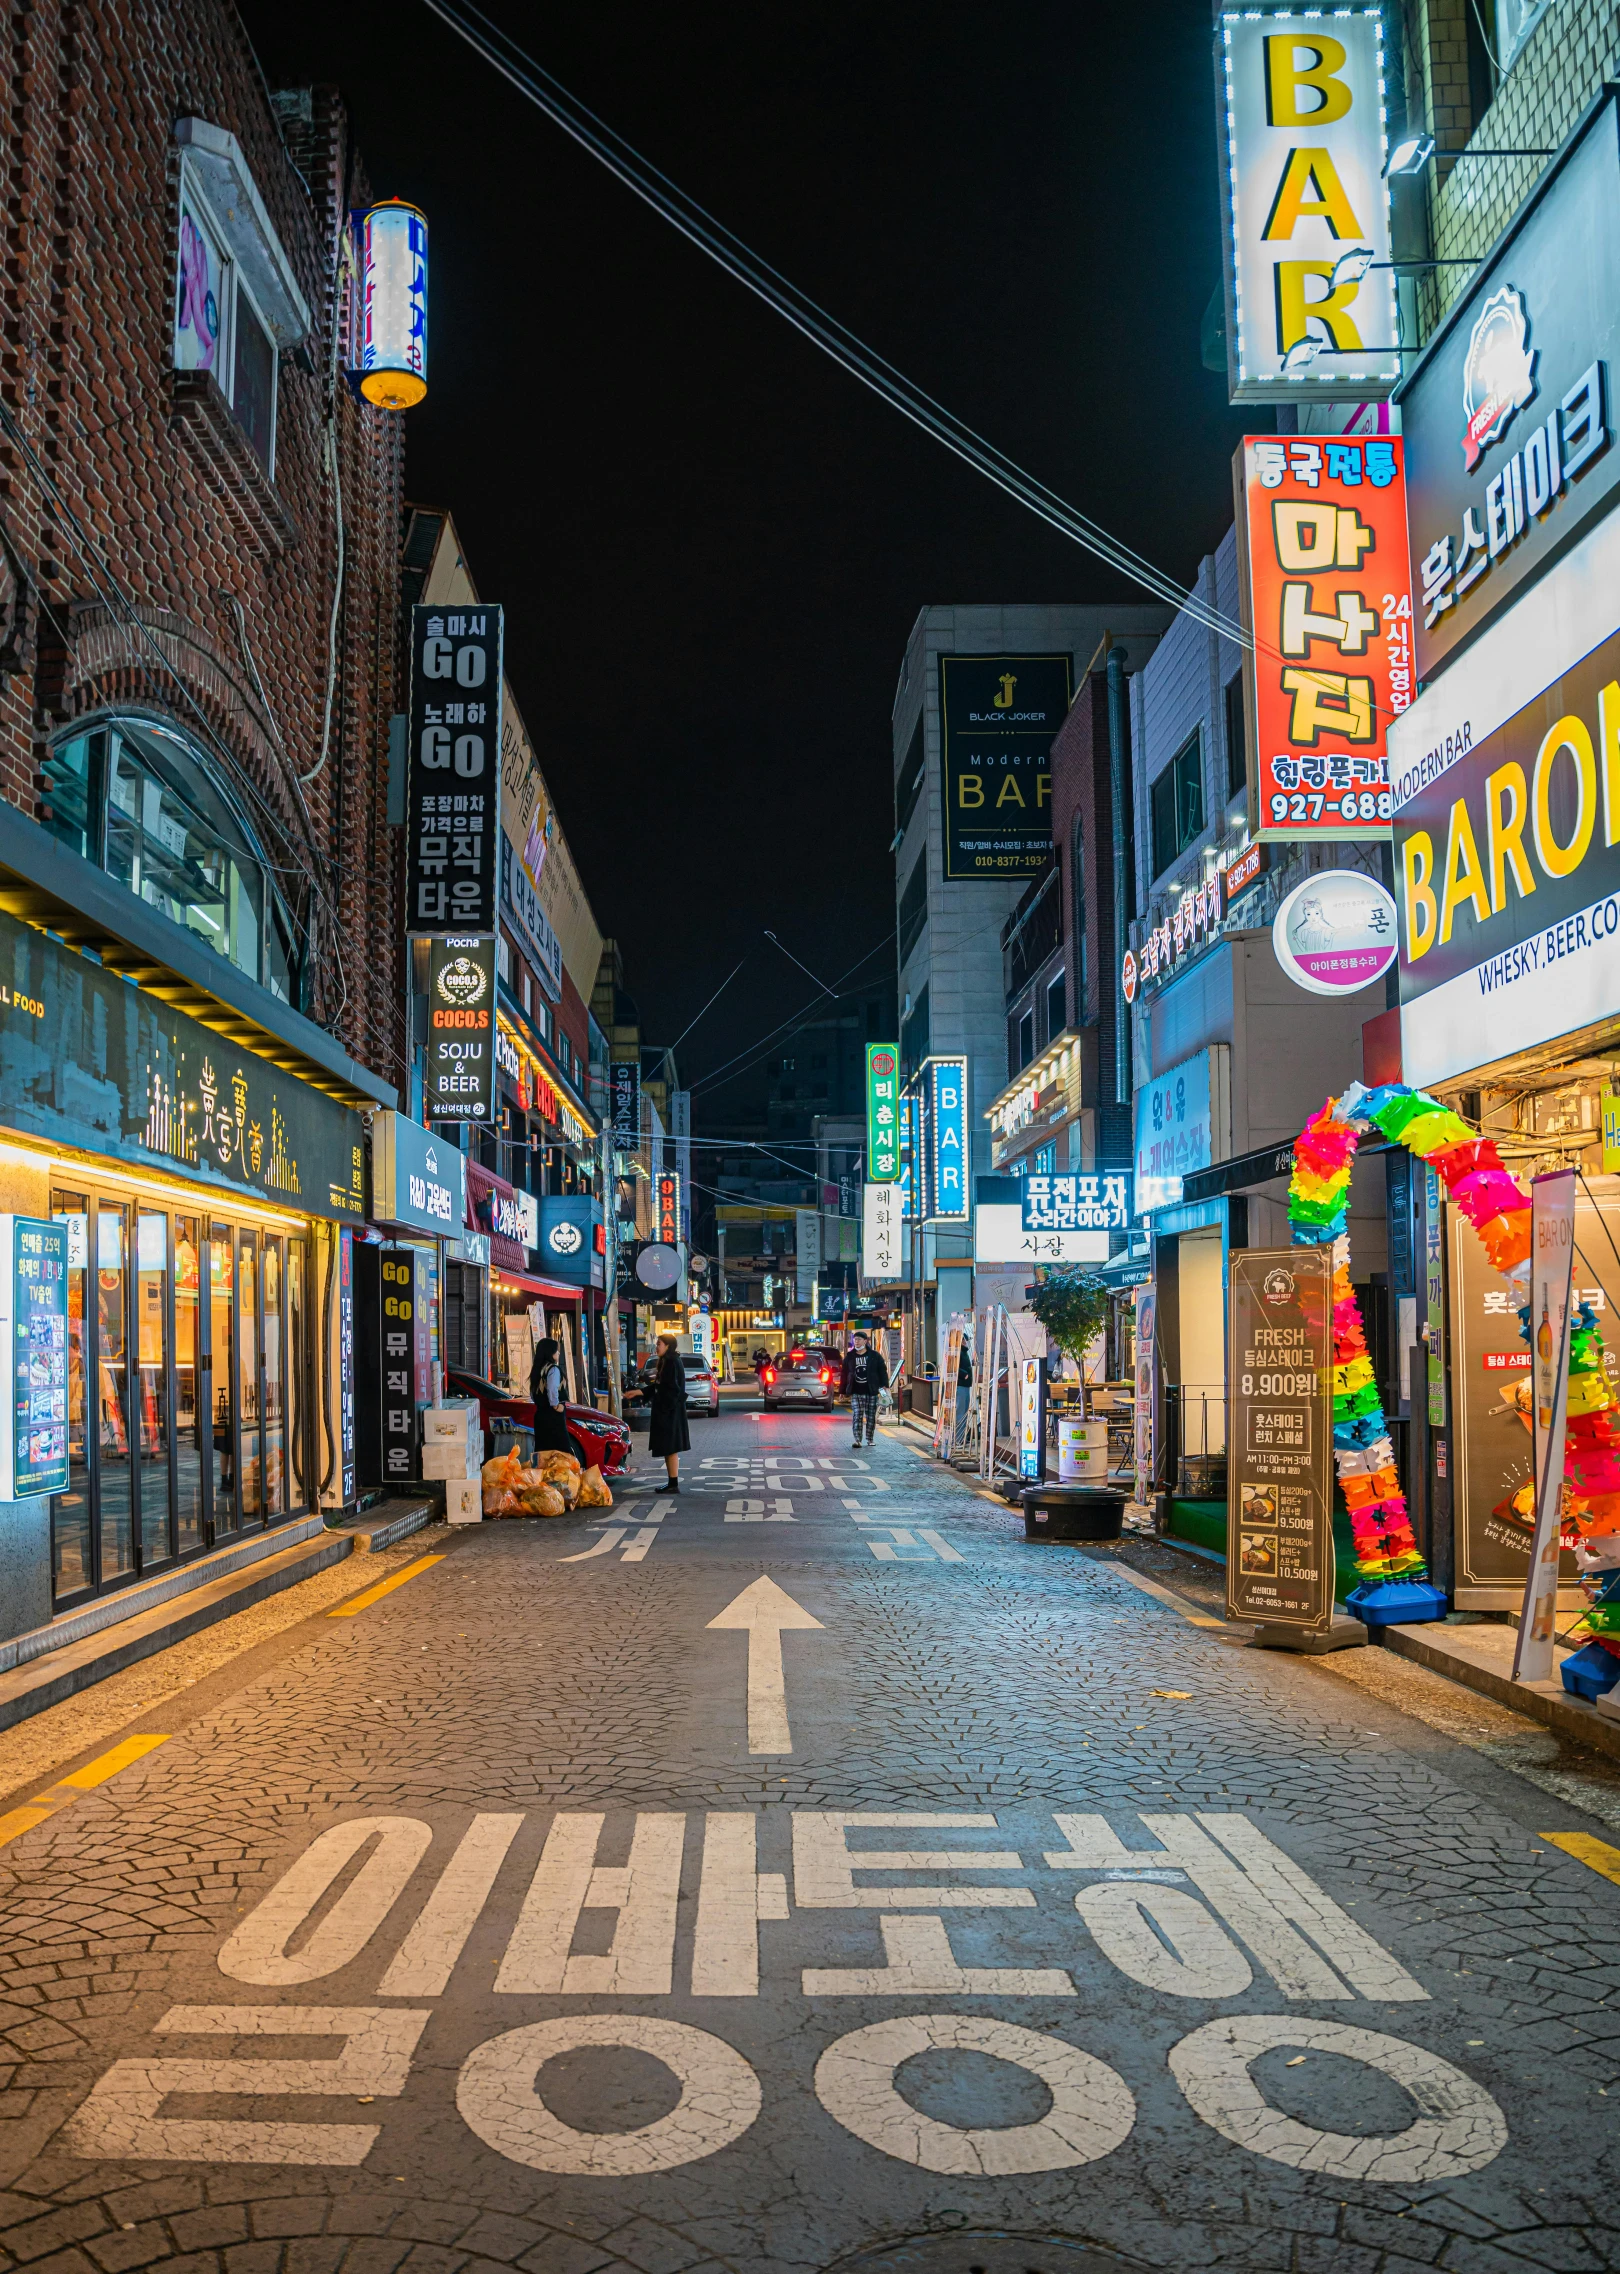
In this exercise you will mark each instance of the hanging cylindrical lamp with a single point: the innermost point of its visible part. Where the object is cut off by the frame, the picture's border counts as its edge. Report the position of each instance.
(393, 304)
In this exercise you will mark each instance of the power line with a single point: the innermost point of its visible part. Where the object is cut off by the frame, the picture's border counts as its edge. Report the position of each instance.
(789, 1025)
(807, 316)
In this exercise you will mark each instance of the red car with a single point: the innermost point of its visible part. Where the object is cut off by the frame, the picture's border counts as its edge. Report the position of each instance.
(598, 1439)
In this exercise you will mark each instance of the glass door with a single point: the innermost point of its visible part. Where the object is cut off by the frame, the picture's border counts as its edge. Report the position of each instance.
(222, 1478)
(250, 1364)
(73, 1558)
(191, 1400)
(275, 1384)
(113, 1386)
(152, 1413)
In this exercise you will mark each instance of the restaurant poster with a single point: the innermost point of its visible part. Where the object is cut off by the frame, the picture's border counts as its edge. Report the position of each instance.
(1491, 1389)
(1279, 1509)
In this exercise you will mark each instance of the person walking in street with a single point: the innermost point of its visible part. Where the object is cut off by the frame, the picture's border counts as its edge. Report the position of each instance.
(546, 1390)
(863, 1377)
(668, 1433)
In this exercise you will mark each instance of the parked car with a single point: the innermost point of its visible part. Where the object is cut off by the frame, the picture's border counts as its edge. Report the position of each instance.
(800, 1377)
(702, 1390)
(598, 1439)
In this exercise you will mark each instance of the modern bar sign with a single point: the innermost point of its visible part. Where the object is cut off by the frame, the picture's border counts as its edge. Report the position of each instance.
(461, 1029)
(453, 807)
(1279, 1510)
(33, 1293)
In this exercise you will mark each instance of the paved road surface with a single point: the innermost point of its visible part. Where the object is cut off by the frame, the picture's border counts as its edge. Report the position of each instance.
(770, 1877)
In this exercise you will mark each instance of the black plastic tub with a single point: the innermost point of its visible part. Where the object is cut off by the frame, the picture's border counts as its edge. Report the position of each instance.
(1072, 1512)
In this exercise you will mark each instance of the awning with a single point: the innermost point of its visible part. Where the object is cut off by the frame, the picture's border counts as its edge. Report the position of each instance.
(550, 1290)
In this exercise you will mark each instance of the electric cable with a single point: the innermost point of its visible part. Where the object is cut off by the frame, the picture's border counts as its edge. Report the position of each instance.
(790, 1024)
(835, 339)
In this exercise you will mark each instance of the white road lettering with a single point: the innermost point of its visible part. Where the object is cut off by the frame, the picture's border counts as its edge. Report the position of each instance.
(120, 2118)
(1459, 2126)
(733, 1896)
(762, 1611)
(426, 1958)
(641, 1962)
(257, 1951)
(921, 1963)
(498, 2096)
(1091, 2113)
(604, 1546)
(1187, 1956)
(759, 1512)
(824, 1868)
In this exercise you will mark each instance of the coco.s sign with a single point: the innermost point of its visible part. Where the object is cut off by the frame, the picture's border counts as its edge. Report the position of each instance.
(1302, 126)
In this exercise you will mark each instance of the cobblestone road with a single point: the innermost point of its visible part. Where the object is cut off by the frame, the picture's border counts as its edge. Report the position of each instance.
(505, 1923)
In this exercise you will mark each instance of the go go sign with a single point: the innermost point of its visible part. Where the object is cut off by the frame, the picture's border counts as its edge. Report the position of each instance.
(453, 814)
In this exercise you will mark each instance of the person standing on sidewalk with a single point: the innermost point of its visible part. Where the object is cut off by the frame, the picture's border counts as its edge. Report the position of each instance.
(864, 1375)
(668, 1433)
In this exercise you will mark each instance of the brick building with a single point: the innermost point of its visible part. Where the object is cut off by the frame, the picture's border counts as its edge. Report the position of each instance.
(198, 610)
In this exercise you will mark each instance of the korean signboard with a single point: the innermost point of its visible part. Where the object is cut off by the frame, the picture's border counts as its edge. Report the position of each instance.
(33, 1322)
(416, 1178)
(668, 1198)
(1509, 447)
(1176, 939)
(942, 1095)
(1335, 933)
(1507, 872)
(88, 1061)
(999, 1236)
(1302, 126)
(1322, 532)
(997, 717)
(391, 1359)
(573, 1238)
(1279, 1453)
(1182, 1124)
(624, 1090)
(1077, 1202)
(882, 1112)
(453, 801)
(460, 1079)
(1491, 1370)
(883, 1247)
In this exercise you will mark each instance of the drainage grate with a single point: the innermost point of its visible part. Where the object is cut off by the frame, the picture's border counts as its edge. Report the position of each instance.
(988, 2254)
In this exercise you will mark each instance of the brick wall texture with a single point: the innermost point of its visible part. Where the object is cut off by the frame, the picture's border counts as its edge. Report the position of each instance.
(137, 526)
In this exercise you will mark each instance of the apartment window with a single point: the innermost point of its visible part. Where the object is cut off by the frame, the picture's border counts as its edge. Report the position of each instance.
(1057, 1005)
(1237, 739)
(218, 326)
(914, 906)
(1177, 799)
(139, 800)
(1515, 21)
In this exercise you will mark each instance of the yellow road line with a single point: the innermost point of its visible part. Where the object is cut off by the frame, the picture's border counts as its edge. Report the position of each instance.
(1596, 1854)
(16, 1821)
(384, 1587)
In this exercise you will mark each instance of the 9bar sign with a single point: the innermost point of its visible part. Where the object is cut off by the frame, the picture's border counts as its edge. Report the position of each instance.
(453, 812)
(1322, 525)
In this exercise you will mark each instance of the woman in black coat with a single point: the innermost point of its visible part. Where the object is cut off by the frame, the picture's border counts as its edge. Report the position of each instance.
(669, 1433)
(546, 1389)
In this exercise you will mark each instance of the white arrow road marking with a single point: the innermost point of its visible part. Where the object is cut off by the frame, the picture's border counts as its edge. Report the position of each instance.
(762, 1611)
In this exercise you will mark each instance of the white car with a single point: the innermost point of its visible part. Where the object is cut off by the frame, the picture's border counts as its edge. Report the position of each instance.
(702, 1390)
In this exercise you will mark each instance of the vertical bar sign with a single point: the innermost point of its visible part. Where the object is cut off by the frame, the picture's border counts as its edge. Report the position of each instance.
(453, 804)
(882, 1112)
(945, 1145)
(1279, 1447)
(1552, 1271)
(398, 1337)
(33, 1294)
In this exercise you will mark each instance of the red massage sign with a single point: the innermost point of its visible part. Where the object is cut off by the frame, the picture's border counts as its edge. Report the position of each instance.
(1322, 524)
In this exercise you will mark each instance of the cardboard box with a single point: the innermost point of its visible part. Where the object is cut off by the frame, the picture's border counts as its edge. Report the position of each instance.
(463, 1500)
(450, 1424)
(449, 1462)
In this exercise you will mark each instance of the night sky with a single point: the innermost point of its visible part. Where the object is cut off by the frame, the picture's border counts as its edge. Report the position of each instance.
(710, 540)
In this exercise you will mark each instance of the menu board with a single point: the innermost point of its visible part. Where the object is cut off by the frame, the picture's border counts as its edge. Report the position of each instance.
(1279, 1507)
(33, 1298)
(1490, 1371)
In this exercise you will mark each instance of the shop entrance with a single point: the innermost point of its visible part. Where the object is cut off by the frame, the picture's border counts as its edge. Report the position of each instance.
(190, 1388)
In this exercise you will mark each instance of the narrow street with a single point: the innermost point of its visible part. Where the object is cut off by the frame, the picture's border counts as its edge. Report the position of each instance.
(774, 1877)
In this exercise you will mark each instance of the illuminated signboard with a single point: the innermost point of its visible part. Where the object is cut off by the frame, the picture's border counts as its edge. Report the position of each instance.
(33, 1319)
(944, 1141)
(453, 807)
(460, 1078)
(1310, 290)
(1077, 1202)
(393, 305)
(882, 1112)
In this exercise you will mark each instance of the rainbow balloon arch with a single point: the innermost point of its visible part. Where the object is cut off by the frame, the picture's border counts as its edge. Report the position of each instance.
(1395, 1588)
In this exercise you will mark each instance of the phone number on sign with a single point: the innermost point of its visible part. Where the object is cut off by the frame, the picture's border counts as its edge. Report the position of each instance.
(1314, 805)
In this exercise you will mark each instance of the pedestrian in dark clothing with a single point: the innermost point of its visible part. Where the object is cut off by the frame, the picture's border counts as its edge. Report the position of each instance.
(546, 1389)
(863, 1377)
(669, 1433)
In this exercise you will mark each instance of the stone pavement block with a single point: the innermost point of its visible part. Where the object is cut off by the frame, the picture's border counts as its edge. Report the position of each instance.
(132, 2246)
(492, 2236)
(210, 2228)
(251, 2258)
(56, 2229)
(370, 2253)
(314, 2254)
(567, 2254)
(289, 2215)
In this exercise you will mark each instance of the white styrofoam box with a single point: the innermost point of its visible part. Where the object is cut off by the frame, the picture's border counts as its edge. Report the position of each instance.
(463, 1500)
(449, 1424)
(449, 1461)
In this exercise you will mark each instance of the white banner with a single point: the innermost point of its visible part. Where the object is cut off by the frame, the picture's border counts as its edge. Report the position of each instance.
(883, 1247)
(1552, 1270)
(999, 1237)
(807, 1249)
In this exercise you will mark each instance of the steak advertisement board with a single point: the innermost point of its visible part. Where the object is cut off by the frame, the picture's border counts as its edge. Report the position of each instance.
(1279, 1510)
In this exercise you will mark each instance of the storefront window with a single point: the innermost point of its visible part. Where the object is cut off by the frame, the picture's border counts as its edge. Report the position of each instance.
(190, 1415)
(140, 800)
(152, 1382)
(222, 1401)
(247, 1345)
(72, 1549)
(275, 1418)
(112, 1344)
(300, 1377)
